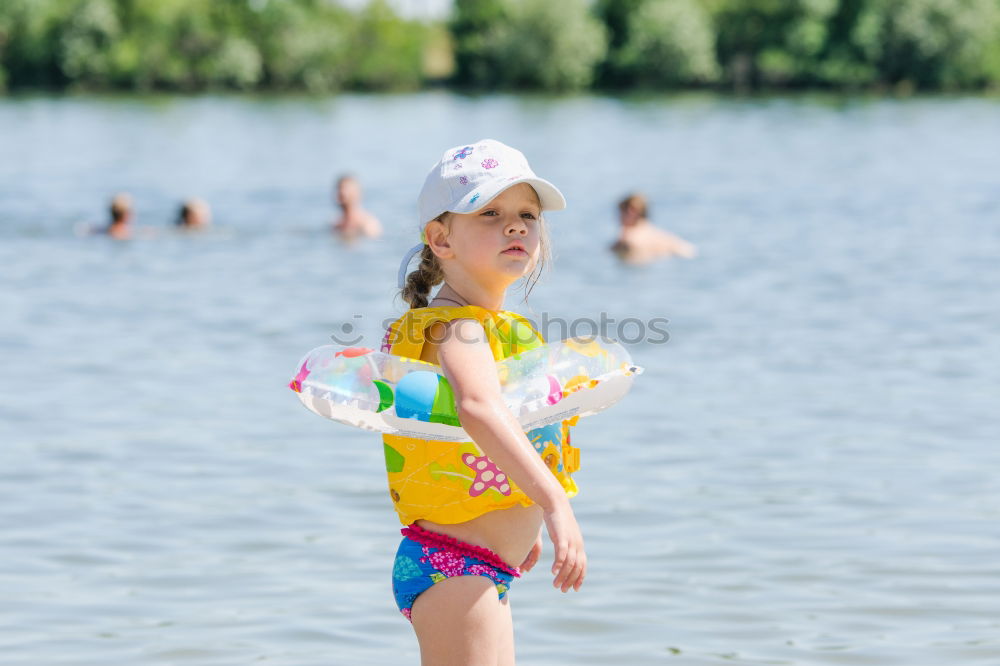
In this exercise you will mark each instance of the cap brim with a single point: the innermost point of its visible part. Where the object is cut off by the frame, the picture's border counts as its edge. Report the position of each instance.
(549, 195)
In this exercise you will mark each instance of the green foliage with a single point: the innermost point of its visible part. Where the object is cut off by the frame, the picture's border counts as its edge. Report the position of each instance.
(472, 26)
(552, 45)
(28, 42)
(991, 62)
(930, 43)
(668, 42)
(772, 42)
(616, 15)
(387, 52)
(924, 43)
(314, 45)
(304, 45)
(85, 42)
(321, 46)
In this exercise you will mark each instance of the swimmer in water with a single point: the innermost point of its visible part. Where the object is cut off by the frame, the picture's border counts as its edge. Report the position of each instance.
(355, 222)
(120, 226)
(194, 215)
(639, 241)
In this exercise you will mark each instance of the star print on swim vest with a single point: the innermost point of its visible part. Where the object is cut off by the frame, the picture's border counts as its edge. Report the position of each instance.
(488, 475)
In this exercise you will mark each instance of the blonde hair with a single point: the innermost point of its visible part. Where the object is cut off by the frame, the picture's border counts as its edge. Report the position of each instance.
(419, 282)
(429, 273)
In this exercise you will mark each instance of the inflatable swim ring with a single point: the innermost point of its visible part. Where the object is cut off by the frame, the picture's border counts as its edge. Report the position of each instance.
(403, 396)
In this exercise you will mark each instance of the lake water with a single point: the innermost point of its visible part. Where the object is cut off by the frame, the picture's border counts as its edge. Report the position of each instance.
(805, 474)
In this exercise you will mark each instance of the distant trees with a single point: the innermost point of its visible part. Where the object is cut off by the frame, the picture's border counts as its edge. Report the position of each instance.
(319, 45)
(743, 44)
(659, 43)
(858, 43)
(526, 44)
(930, 43)
(313, 45)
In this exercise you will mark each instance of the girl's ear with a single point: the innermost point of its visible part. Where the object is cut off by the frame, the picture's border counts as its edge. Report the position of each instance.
(437, 239)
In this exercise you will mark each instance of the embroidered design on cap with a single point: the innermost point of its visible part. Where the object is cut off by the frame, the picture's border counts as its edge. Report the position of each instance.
(462, 154)
(474, 198)
(463, 180)
(490, 163)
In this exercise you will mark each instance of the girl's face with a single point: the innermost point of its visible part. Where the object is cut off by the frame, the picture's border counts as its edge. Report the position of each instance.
(494, 246)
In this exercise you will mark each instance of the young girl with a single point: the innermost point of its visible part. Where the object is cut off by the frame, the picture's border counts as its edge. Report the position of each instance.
(474, 510)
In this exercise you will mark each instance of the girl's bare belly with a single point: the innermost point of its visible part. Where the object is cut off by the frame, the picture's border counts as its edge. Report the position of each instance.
(510, 533)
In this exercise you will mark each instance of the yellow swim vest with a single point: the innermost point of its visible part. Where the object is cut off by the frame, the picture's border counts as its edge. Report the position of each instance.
(449, 482)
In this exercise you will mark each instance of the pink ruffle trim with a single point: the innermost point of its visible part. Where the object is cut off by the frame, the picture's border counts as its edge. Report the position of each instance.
(435, 540)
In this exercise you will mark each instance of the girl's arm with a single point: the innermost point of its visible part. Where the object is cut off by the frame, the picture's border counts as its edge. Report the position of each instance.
(464, 355)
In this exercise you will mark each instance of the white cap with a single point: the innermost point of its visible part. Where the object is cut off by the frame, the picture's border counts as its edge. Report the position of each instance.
(468, 177)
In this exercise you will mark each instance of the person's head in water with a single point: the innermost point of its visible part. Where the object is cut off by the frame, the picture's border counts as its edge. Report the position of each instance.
(194, 214)
(348, 191)
(633, 209)
(121, 209)
(120, 226)
(354, 222)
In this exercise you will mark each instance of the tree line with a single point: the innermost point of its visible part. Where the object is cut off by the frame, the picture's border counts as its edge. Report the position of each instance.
(548, 45)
